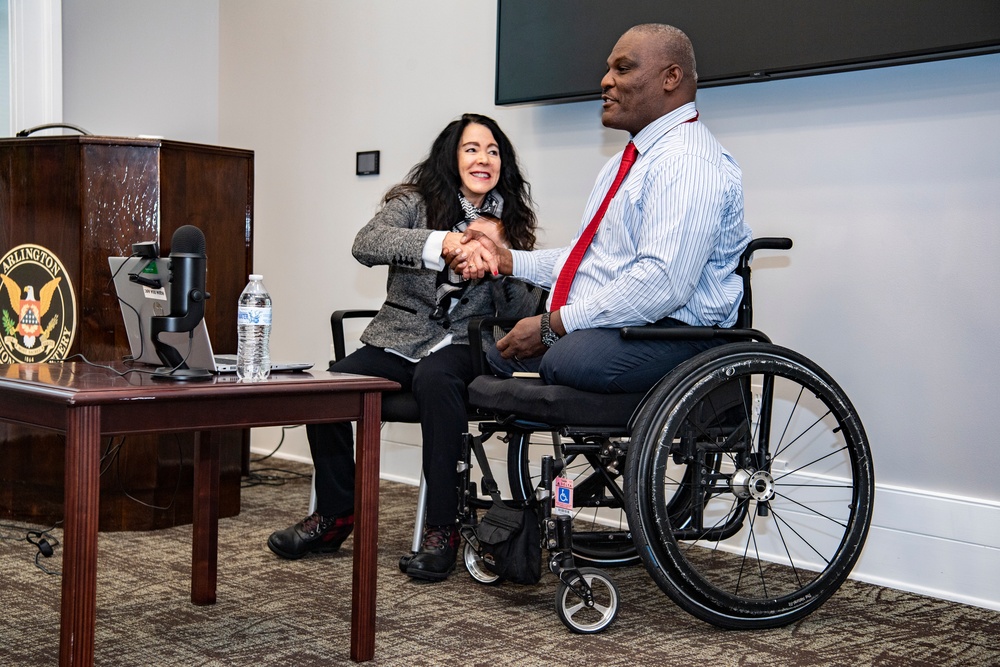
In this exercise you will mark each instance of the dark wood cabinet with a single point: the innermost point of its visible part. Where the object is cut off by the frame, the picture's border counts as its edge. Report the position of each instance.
(85, 199)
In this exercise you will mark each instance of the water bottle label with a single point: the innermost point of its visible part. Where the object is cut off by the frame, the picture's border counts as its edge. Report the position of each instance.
(250, 315)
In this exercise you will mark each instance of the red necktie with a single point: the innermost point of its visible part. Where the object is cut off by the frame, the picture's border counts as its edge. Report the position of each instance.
(561, 290)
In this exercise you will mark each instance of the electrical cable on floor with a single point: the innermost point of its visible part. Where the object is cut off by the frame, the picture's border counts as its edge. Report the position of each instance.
(41, 538)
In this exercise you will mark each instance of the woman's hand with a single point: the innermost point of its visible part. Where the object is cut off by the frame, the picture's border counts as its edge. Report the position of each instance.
(488, 226)
(479, 255)
(471, 252)
(451, 246)
(468, 255)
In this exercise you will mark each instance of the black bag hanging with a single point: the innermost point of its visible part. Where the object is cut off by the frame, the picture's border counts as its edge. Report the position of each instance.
(510, 542)
(509, 537)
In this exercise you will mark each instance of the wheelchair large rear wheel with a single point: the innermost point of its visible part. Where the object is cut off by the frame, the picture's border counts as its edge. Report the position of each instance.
(749, 486)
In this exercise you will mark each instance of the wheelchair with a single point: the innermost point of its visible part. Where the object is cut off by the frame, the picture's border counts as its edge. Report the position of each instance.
(743, 480)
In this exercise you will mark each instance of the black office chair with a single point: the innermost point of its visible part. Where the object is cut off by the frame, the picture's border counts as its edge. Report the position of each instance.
(397, 406)
(401, 406)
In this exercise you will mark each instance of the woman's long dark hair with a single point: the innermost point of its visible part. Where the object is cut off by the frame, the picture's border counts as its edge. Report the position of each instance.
(438, 182)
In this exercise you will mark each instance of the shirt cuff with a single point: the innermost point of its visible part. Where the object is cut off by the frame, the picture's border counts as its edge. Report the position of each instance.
(524, 265)
(432, 251)
(572, 318)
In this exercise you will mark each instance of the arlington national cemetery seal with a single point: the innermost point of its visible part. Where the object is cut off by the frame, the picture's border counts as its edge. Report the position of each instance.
(37, 306)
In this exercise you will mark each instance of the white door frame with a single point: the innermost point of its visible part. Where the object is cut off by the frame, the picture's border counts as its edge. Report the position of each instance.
(35, 63)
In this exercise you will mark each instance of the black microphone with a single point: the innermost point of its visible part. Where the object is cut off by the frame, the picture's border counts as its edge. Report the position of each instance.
(187, 301)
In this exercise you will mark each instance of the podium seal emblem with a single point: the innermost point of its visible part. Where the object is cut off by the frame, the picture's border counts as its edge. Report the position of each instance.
(38, 316)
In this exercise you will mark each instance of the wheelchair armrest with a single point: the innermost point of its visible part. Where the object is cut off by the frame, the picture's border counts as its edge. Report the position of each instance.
(337, 328)
(691, 333)
(476, 328)
(767, 243)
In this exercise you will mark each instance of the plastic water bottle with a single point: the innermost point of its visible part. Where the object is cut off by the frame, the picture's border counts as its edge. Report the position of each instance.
(253, 356)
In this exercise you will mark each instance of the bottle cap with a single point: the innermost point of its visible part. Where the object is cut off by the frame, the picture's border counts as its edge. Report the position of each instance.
(256, 276)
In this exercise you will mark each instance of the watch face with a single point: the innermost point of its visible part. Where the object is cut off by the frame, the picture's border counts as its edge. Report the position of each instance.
(549, 337)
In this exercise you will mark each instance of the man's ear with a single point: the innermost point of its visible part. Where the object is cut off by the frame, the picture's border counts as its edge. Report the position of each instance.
(672, 77)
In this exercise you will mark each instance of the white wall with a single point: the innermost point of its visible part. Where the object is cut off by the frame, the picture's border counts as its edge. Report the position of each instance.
(885, 179)
(142, 67)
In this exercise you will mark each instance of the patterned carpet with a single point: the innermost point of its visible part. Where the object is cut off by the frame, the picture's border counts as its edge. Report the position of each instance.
(274, 612)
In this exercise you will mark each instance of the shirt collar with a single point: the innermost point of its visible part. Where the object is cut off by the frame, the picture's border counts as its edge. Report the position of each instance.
(650, 134)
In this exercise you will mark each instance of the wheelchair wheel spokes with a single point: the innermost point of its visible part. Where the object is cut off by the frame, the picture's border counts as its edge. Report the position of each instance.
(753, 487)
(600, 528)
(576, 614)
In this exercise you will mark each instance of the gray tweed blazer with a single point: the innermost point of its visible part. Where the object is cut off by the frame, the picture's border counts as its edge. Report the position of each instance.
(396, 237)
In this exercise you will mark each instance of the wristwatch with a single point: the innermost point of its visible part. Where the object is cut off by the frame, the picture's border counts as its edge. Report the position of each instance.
(549, 337)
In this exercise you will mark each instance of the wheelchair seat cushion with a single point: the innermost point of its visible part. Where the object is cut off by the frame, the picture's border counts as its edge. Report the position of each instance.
(530, 399)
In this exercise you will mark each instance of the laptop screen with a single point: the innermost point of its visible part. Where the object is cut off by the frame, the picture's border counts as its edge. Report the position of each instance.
(147, 295)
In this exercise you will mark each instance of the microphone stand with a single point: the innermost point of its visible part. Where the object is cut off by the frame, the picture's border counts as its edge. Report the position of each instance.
(187, 304)
(177, 368)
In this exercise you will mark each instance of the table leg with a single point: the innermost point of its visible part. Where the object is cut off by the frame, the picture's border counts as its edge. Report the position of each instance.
(79, 569)
(366, 529)
(205, 519)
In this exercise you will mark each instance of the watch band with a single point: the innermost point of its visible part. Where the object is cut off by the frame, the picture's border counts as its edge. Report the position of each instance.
(549, 337)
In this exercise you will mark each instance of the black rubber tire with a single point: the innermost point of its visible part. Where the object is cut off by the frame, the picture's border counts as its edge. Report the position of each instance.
(576, 616)
(764, 422)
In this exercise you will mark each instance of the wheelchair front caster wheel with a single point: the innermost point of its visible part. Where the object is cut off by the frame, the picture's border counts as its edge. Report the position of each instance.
(573, 610)
(477, 570)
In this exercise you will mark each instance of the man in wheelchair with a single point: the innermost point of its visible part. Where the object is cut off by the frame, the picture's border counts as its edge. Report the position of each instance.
(662, 234)
(743, 471)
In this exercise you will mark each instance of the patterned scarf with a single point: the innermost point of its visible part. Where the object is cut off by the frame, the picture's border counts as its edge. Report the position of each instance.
(450, 284)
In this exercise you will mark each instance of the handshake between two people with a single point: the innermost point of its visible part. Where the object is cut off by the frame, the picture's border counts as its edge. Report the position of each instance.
(476, 255)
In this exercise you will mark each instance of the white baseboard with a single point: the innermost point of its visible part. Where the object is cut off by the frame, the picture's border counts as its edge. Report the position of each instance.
(942, 546)
(937, 545)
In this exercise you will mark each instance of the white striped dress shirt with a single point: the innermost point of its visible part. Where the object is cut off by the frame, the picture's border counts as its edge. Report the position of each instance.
(669, 241)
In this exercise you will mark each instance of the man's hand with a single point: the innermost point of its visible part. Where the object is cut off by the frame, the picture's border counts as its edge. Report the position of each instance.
(524, 341)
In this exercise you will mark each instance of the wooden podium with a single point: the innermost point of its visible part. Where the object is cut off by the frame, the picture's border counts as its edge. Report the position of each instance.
(88, 198)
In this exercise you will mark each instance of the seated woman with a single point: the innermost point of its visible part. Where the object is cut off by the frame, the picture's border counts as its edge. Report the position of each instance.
(419, 338)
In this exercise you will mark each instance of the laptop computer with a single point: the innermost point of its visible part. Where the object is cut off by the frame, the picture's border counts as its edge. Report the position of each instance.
(147, 295)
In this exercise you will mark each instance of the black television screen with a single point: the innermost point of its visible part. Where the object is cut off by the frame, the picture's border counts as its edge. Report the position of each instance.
(556, 50)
